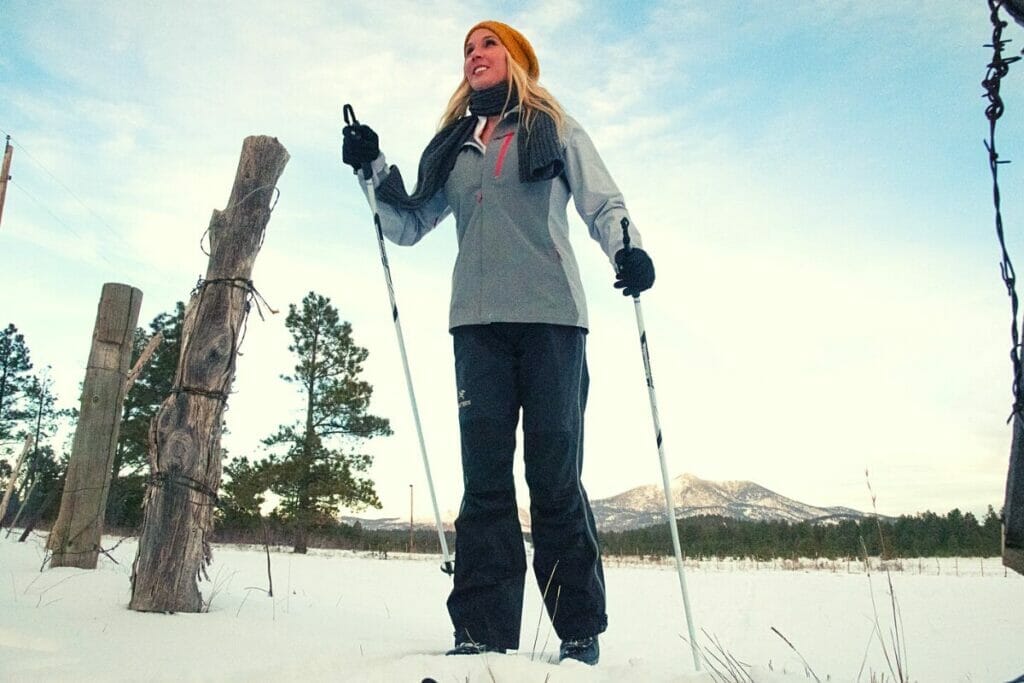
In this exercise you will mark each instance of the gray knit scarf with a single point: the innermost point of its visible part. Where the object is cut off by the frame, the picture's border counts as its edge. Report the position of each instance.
(540, 153)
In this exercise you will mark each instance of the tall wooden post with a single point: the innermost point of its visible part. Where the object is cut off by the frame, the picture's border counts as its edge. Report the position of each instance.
(184, 436)
(5, 175)
(1013, 507)
(75, 537)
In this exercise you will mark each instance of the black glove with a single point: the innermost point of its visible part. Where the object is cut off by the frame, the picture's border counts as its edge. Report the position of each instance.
(359, 145)
(636, 271)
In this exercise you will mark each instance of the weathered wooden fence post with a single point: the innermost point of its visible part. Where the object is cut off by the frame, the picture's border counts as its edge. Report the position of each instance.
(184, 437)
(14, 478)
(1013, 507)
(75, 537)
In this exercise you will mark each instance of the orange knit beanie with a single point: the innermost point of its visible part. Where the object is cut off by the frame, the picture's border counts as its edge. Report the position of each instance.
(518, 46)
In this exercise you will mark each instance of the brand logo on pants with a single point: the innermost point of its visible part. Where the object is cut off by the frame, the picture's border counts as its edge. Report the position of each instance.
(463, 401)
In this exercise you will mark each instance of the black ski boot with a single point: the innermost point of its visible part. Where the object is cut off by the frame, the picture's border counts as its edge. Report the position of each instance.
(584, 650)
(474, 649)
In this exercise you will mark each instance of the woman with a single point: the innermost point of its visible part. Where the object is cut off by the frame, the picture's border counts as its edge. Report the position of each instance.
(518, 320)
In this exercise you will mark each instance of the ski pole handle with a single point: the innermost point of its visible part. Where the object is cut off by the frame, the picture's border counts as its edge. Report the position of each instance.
(349, 114)
(627, 248)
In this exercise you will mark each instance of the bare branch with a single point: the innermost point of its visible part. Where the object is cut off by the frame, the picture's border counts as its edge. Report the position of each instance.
(147, 353)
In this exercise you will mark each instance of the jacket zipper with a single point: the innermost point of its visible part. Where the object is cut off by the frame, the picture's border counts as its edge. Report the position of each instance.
(501, 155)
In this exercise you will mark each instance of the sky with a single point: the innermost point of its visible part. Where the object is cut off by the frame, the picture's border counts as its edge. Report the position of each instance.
(811, 184)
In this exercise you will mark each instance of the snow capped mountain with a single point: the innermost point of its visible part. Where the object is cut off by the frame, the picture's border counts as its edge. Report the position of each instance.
(692, 496)
(645, 506)
(400, 523)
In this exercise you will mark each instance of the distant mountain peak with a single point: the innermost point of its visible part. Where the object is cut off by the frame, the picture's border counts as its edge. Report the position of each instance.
(645, 506)
(692, 496)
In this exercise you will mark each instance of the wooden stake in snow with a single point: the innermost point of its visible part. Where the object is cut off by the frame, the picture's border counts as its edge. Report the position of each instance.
(14, 478)
(75, 538)
(184, 437)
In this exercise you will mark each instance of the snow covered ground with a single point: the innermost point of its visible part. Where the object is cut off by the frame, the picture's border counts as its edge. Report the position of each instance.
(344, 616)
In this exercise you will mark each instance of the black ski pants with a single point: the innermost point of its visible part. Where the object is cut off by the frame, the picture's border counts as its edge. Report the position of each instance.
(539, 369)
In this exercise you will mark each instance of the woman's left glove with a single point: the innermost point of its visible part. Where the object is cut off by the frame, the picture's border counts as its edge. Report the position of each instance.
(359, 145)
(636, 271)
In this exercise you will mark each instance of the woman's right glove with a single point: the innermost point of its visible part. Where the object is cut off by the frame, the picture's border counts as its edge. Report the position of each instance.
(359, 145)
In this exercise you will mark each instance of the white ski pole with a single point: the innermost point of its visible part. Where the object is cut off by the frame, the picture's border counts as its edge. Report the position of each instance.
(670, 507)
(449, 566)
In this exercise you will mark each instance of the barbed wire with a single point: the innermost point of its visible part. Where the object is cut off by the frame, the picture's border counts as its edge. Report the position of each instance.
(103, 222)
(24, 150)
(174, 477)
(61, 183)
(45, 208)
(998, 68)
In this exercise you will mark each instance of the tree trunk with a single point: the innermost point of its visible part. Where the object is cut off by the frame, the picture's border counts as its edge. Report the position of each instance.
(75, 538)
(184, 437)
(301, 535)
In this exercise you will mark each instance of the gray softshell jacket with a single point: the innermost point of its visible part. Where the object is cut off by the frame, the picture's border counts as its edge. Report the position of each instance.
(515, 263)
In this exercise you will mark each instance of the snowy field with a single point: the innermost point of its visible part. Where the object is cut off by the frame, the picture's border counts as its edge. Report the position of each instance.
(343, 616)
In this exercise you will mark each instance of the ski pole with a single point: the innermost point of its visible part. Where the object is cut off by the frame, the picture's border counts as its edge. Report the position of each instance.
(670, 507)
(449, 566)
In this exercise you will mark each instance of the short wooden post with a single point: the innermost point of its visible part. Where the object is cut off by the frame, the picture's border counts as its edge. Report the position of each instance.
(30, 523)
(75, 537)
(184, 439)
(14, 478)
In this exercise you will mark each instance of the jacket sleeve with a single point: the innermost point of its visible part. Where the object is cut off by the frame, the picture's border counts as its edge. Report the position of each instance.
(597, 198)
(404, 226)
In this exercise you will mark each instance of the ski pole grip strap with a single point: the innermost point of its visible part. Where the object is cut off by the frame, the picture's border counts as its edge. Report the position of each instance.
(349, 114)
(625, 234)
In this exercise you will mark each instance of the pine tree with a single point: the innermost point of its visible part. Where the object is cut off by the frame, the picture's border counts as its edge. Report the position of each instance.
(39, 487)
(41, 408)
(42, 419)
(992, 531)
(243, 493)
(153, 385)
(318, 472)
(15, 362)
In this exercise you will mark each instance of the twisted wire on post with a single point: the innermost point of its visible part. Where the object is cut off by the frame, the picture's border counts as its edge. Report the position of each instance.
(241, 201)
(998, 68)
(252, 296)
(163, 479)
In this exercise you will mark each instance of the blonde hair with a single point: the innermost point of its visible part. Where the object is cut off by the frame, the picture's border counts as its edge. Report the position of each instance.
(533, 98)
